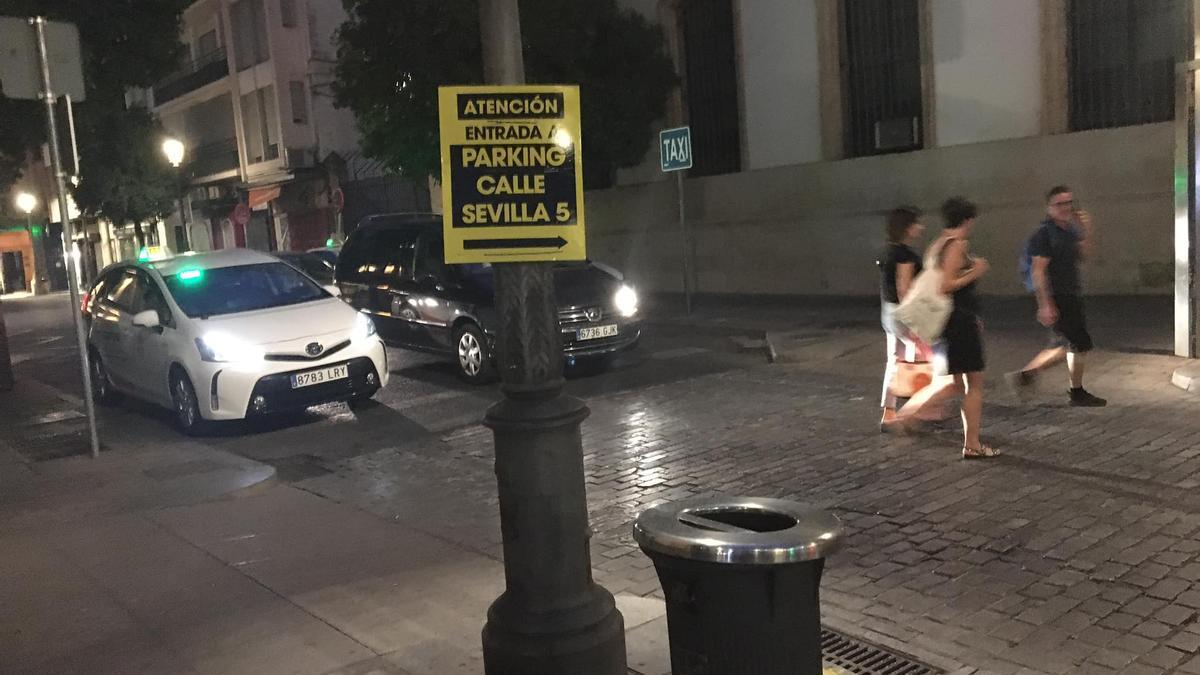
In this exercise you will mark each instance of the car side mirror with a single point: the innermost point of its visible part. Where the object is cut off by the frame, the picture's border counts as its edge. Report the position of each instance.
(147, 319)
(333, 290)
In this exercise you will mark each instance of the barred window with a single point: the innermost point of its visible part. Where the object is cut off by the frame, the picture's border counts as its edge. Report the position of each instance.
(712, 86)
(1121, 58)
(881, 76)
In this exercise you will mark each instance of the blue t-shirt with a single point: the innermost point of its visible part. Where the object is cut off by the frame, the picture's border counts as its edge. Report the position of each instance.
(1061, 246)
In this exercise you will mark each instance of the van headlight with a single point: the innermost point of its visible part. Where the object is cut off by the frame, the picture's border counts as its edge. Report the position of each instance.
(225, 348)
(364, 327)
(626, 301)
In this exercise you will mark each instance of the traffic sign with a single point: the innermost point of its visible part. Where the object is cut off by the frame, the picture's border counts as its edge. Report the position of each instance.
(675, 149)
(512, 174)
(19, 74)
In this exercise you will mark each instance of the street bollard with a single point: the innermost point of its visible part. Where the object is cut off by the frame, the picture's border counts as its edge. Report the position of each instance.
(741, 578)
(6, 373)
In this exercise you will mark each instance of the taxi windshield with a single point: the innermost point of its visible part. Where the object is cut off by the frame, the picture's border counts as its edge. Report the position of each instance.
(229, 290)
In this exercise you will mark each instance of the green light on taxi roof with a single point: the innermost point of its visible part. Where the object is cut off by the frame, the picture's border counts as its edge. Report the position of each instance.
(329, 243)
(191, 275)
(144, 254)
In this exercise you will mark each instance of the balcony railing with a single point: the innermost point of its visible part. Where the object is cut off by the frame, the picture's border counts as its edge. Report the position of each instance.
(214, 158)
(205, 69)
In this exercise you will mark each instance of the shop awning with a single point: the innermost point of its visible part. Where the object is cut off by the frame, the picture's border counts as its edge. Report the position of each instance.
(260, 197)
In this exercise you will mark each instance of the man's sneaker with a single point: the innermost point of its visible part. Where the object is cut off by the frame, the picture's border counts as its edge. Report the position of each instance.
(1021, 383)
(1081, 398)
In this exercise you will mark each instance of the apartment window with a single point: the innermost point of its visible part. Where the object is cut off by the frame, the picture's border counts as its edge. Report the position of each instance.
(260, 118)
(712, 86)
(287, 13)
(299, 102)
(207, 44)
(881, 76)
(1121, 59)
(249, 33)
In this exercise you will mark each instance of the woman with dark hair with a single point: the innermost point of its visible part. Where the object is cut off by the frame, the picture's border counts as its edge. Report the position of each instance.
(960, 351)
(899, 264)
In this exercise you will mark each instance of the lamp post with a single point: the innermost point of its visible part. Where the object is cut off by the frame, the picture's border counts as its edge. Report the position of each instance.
(174, 149)
(552, 618)
(26, 202)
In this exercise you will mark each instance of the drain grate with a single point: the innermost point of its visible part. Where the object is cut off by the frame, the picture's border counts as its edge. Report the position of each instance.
(851, 655)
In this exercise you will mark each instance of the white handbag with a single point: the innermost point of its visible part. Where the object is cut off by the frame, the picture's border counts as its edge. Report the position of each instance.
(925, 310)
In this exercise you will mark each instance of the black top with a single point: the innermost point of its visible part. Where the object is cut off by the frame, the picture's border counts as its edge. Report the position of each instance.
(965, 299)
(894, 254)
(1061, 246)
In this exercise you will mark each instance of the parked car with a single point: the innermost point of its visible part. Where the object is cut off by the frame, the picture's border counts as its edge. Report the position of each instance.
(227, 335)
(311, 264)
(393, 267)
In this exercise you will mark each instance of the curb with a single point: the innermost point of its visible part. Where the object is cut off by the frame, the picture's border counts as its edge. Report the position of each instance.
(257, 488)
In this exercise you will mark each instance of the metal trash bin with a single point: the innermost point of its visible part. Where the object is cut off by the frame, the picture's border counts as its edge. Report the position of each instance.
(741, 577)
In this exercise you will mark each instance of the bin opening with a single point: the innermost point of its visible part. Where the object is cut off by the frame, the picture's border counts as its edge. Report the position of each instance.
(752, 520)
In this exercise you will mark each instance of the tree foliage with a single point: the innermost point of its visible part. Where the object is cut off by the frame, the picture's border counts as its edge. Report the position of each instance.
(392, 57)
(125, 43)
(124, 176)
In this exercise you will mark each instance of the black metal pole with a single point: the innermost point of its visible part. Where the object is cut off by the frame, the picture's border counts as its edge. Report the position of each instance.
(552, 618)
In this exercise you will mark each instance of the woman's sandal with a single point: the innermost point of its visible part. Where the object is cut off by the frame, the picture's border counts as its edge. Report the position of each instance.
(982, 452)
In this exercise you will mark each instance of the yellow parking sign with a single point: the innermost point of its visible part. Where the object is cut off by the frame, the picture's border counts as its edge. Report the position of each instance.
(512, 173)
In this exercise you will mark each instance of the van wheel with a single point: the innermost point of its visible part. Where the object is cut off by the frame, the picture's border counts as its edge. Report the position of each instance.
(186, 405)
(471, 355)
(103, 392)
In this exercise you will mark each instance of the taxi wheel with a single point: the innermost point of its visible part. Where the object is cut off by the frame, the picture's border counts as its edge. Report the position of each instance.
(471, 355)
(186, 406)
(102, 389)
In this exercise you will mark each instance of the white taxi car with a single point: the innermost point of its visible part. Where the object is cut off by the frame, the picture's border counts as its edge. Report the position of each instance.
(227, 335)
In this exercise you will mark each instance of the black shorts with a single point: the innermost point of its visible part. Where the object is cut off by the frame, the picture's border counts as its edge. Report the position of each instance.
(1070, 330)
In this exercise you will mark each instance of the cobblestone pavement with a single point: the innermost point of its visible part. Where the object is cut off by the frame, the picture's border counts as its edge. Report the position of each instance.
(1076, 552)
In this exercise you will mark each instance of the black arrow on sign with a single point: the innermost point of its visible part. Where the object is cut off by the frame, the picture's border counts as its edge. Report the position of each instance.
(547, 242)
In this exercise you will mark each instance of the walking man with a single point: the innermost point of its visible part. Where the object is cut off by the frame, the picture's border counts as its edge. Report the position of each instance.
(1055, 251)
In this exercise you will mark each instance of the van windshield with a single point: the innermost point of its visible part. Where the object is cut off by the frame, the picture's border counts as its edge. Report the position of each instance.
(244, 288)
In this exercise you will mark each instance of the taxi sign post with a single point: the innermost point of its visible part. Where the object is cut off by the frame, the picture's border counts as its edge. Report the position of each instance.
(514, 195)
(675, 155)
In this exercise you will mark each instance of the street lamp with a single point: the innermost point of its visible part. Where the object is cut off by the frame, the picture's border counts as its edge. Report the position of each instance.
(27, 203)
(174, 150)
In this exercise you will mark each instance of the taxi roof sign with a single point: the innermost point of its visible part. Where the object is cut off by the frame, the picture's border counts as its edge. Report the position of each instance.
(153, 253)
(512, 174)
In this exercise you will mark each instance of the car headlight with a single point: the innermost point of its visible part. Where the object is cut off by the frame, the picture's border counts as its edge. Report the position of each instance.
(626, 301)
(364, 327)
(225, 348)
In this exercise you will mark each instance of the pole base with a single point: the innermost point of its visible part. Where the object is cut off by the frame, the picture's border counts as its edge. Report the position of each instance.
(585, 640)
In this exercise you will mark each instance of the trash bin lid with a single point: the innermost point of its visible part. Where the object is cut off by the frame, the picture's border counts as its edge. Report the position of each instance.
(738, 530)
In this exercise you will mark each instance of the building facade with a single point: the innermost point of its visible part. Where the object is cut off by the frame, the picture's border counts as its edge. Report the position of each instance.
(252, 104)
(812, 118)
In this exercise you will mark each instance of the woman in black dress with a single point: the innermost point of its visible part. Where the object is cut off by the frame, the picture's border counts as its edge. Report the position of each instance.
(899, 264)
(960, 351)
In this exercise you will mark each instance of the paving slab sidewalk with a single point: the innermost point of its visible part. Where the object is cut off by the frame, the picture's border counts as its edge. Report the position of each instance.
(166, 556)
